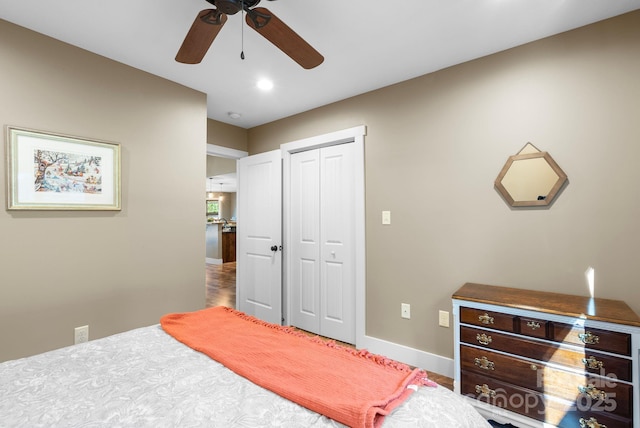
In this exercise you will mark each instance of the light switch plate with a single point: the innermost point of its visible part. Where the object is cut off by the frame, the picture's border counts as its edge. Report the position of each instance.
(443, 319)
(386, 217)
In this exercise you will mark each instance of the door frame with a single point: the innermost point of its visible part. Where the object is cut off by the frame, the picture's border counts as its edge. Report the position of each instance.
(356, 136)
(225, 152)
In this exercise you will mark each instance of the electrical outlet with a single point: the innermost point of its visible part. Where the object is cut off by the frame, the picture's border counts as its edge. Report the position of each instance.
(443, 319)
(81, 334)
(405, 310)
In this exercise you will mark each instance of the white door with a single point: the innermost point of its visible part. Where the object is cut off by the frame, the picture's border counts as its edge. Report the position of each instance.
(259, 236)
(304, 220)
(322, 236)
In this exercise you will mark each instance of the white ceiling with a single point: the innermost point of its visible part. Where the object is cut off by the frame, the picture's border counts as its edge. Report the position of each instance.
(366, 44)
(223, 183)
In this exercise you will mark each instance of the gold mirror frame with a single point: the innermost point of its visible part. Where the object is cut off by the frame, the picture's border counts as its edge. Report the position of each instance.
(530, 178)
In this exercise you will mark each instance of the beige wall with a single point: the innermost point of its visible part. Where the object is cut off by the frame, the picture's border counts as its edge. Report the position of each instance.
(435, 145)
(219, 166)
(111, 270)
(225, 135)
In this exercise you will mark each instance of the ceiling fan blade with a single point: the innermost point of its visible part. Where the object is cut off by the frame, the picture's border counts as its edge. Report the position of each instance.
(203, 31)
(283, 37)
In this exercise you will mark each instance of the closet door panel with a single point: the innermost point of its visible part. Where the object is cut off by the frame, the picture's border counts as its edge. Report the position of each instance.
(337, 193)
(333, 292)
(305, 231)
(308, 298)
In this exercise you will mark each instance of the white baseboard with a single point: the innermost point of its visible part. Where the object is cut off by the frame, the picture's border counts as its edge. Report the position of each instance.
(211, 261)
(413, 357)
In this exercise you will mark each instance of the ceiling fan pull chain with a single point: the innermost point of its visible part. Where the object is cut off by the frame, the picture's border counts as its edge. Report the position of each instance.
(242, 33)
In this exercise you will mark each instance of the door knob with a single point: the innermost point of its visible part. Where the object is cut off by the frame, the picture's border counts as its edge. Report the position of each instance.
(274, 248)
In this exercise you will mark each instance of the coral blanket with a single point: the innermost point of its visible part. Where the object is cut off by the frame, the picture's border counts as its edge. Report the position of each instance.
(353, 387)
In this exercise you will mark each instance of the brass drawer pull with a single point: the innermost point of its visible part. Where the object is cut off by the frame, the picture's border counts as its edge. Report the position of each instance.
(533, 325)
(593, 392)
(590, 423)
(533, 367)
(483, 339)
(485, 319)
(485, 390)
(588, 338)
(592, 363)
(484, 363)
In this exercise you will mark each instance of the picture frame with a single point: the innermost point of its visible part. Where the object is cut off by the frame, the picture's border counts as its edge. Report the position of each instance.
(48, 171)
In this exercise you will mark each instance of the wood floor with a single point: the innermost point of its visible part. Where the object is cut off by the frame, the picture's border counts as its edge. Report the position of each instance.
(221, 285)
(221, 291)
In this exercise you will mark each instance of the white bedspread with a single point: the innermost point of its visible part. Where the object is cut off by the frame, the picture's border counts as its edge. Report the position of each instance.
(145, 378)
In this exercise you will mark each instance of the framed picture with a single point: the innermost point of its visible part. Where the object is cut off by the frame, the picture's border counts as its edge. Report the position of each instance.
(58, 172)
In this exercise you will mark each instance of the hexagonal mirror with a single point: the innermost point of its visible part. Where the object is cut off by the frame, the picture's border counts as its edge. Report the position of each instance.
(530, 178)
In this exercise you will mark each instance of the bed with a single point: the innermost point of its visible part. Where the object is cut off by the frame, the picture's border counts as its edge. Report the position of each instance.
(147, 378)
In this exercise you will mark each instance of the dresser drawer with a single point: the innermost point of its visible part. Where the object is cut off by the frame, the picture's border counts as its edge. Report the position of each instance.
(533, 327)
(503, 395)
(534, 404)
(588, 391)
(604, 365)
(490, 319)
(499, 366)
(591, 361)
(591, 338)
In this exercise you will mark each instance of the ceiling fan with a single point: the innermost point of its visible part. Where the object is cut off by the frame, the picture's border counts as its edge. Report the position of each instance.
(209, 22)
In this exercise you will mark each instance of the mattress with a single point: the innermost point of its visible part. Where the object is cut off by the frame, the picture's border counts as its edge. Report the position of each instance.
(145, 378)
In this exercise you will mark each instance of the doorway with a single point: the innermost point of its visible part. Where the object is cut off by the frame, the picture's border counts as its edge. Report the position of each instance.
(221, 190)
(221, 209)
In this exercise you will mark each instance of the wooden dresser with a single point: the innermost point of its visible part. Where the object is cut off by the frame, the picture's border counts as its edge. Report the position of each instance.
(539, 359)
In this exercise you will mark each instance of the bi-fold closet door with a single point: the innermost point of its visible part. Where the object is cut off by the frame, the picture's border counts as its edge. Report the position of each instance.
(322, 249)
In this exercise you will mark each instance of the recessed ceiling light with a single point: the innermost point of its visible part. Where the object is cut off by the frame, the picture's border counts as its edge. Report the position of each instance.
(234, 115)
(265, 84)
